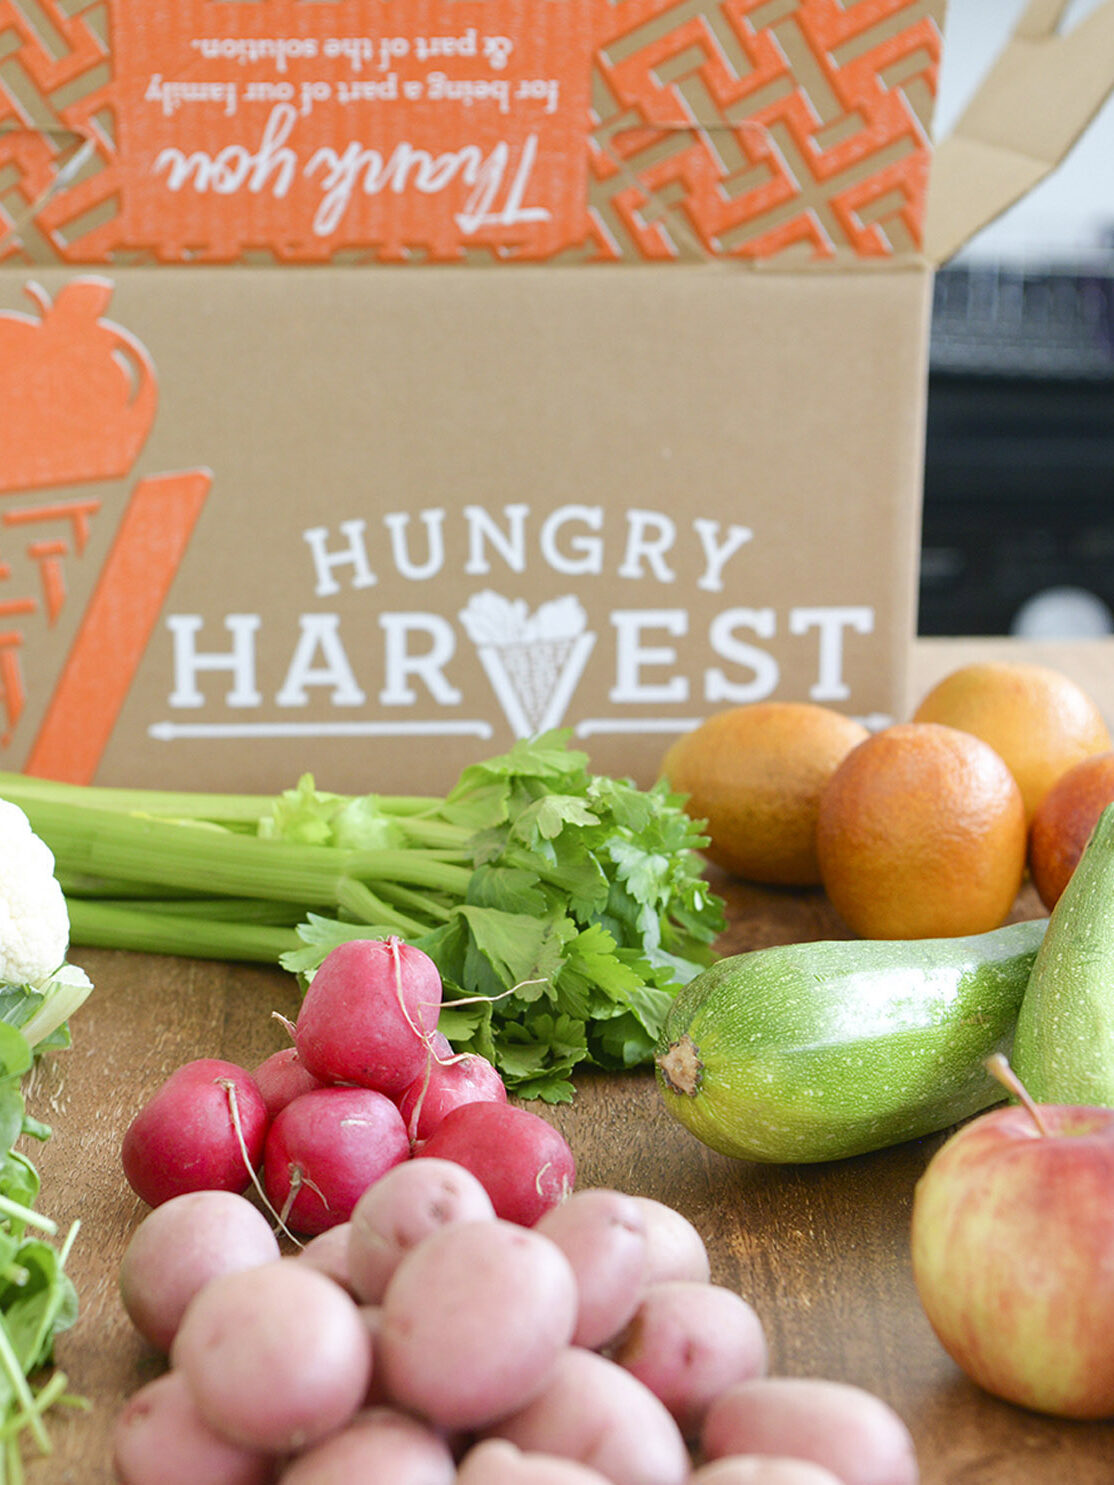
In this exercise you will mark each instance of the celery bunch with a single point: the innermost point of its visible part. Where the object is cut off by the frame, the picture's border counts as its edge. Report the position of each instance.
(563, 909)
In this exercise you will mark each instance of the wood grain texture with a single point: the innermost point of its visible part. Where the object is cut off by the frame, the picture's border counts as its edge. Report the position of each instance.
(821, 1251)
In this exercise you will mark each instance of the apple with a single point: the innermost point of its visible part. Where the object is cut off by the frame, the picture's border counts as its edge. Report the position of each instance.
(1013, 1253)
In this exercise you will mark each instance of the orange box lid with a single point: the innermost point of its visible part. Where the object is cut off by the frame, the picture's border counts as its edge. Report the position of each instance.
(789, 131)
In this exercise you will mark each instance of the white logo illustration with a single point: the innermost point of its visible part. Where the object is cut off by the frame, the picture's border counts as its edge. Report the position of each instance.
(534, 661)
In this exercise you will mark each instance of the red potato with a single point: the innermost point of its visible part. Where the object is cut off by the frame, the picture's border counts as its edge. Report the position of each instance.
(762, 1469)
(377, 1396)
(473, 1322)
(380, 1444)
(276, 1357)
(447, 1084)
(185, 1138)
(159, 1438)
(523, 1162)
(368, 1015)
(844, 1428)
(596, 1413)
(675, 1250)
(179, 1247)
(325, 1149)
(281, 1077)
(498, 1462)
(688, 1342)
(404, 1206)
(603, 1235)
(328, 1252)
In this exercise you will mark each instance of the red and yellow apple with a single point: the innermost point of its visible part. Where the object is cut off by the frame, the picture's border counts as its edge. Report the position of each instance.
(1013, 1255)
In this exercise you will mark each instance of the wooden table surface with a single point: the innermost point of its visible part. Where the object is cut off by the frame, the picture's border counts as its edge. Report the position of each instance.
(821, 1251)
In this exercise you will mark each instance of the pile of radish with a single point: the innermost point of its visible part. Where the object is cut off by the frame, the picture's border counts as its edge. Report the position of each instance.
(458, 1313)
(367, 1081)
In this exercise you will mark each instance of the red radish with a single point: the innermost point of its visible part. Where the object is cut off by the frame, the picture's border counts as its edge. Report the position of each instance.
(447, 1084)
(281, 1078)
(523, 1163)
(188, 1136)
(325, 1149)
(368, 1015)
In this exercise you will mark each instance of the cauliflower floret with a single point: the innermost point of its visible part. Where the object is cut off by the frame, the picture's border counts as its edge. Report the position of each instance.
(34, 922)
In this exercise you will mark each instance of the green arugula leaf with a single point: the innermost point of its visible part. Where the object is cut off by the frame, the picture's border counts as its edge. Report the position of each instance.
(11, 1113)
(16, 1055)
(33, 1308)
(19, 1181)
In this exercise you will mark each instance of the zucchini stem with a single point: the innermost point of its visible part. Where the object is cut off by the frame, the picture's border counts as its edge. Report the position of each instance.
(681, 1067)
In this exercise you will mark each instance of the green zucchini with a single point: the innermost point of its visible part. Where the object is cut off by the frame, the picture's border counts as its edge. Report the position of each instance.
(818, 1051)
(1064, 1048)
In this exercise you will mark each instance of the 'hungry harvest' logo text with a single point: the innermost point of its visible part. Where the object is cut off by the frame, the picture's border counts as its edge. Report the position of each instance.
(413, 675)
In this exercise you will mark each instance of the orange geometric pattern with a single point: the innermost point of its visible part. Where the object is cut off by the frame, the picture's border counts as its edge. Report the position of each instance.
(58, 167)
(755, 128)
(735, 129)
(116, 627)
(66, 354)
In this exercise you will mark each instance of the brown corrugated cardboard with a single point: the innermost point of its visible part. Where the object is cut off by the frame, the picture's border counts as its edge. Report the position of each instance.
(359, 414)
(1039, 96)
(424, 513)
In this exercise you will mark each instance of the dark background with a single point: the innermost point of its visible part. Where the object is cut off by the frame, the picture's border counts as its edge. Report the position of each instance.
(1018, 527)
(1019, 466)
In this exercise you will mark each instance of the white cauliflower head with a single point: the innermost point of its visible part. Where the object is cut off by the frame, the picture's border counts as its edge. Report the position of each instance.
(34, 923)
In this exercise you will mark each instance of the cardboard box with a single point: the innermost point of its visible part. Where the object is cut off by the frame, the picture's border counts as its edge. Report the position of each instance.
(382, 380)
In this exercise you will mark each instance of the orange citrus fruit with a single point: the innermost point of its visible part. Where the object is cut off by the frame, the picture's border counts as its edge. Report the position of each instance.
(755, 773)
(1064, 821)
(1037, 718)
(921, 834)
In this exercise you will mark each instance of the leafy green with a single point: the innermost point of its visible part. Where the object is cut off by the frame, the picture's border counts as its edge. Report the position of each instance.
(563, 908)
(37, 1297)
(586, 911)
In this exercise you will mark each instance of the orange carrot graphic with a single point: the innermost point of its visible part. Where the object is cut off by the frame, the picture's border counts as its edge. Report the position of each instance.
(132, 587)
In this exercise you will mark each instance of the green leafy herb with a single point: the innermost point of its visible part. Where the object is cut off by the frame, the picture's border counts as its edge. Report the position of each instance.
(564, 909)
(37, 1297)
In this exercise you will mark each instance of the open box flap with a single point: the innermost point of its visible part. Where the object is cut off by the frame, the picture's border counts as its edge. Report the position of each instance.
(789, 133)
(1035, 103)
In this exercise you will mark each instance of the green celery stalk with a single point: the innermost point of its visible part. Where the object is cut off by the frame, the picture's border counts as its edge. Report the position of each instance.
(226, 809)
(562, 909)
(99, 842)
(232, 909)
(102, 925)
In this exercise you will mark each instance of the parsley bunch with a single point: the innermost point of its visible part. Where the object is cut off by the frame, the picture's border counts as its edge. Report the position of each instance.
(584, 912)
(563, 909)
